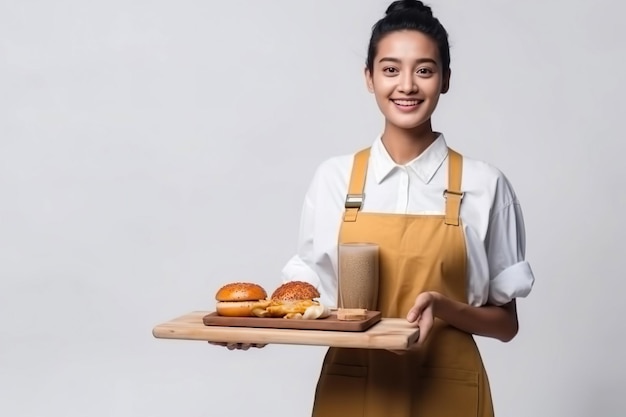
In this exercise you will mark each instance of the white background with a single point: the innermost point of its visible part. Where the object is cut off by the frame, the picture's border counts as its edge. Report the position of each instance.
(151, 151)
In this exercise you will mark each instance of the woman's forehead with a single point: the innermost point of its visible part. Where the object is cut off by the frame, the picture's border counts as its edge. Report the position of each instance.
(407, 44)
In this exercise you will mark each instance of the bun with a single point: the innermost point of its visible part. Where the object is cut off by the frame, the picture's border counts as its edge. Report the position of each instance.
(241, 291)
(235, 308)
(237, 299)
(400, 6)
(295, 290)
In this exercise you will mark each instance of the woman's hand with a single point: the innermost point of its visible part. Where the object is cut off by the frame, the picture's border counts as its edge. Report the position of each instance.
(238, 346)
(498, 322)
(422, 314)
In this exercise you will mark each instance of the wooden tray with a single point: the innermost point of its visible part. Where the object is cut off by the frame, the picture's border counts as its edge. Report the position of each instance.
(387, 333)
(329, 323)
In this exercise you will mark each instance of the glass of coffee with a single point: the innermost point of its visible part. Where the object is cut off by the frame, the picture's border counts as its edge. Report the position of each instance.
(358, 275)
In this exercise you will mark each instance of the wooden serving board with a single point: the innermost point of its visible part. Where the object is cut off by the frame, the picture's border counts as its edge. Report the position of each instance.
(387, 333)
(329, 323)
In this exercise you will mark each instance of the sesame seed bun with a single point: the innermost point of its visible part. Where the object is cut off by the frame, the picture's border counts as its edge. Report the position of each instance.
(295, 290)
(241, 291)
(235, 308)
(237, 299)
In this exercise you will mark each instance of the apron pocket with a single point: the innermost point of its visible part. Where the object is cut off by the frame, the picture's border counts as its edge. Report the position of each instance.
(341, 391)
(459, 375)
(445, 392)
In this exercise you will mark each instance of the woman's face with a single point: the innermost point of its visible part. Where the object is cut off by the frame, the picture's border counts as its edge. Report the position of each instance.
(407, 78)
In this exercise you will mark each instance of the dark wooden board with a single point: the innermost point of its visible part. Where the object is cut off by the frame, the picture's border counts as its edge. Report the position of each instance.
(329, 323)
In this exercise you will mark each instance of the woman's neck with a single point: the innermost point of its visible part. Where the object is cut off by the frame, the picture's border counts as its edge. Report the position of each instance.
(405, 145)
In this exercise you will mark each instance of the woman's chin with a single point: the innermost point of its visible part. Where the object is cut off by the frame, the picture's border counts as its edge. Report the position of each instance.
(408, 124)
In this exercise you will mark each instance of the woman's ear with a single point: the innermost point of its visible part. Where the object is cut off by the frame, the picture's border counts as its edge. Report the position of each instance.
(445, 85)
(368, 80)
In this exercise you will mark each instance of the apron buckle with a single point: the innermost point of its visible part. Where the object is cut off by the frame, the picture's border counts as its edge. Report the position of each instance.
(459, 194)
(354, 201)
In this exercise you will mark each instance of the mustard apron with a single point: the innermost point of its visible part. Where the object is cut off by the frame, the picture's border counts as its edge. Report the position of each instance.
(443, 378)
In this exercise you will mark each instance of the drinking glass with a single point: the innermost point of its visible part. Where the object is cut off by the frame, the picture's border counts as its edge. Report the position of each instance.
(358, 269)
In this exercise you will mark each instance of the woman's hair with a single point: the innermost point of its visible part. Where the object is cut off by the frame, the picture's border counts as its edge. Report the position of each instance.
(409, 15)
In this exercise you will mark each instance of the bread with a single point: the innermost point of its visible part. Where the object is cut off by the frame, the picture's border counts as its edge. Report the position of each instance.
(295, 290)
(241, 291)
(290, 300)
(237, 299)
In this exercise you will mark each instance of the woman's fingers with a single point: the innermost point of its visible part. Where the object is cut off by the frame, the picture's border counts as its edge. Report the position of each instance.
(414, 313)
(238, 346)
(422, 302)
(425, 324)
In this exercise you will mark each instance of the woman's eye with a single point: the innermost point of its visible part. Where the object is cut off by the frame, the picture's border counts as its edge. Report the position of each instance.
(424, 71)
(390, 70)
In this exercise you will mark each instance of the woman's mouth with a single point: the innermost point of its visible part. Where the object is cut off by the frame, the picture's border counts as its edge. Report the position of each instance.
(406, 105)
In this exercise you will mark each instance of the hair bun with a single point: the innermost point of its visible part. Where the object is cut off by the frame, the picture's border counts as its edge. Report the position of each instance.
(400, 6)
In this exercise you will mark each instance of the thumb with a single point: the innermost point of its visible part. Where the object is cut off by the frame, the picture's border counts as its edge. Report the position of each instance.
(415, 312)
(422, 301)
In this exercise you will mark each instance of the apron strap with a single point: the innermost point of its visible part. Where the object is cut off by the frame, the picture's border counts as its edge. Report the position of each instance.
(453, 194)
(354, 199)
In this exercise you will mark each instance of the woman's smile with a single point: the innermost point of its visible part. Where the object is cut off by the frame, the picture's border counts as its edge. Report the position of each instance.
(407, 105)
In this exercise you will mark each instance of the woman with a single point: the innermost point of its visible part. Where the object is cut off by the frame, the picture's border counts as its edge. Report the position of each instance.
(451, 238)
(450, 232)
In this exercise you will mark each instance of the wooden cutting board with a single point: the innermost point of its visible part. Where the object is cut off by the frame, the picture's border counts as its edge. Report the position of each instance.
(329, 323)
(387, 333)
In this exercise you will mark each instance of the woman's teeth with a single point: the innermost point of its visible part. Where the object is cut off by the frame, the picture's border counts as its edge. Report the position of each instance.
(407, 103)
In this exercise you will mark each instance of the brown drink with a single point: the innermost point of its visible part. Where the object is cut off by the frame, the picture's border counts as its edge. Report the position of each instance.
(358, 275)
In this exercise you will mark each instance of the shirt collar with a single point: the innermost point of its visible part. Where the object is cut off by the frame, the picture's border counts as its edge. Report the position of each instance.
(424, 166)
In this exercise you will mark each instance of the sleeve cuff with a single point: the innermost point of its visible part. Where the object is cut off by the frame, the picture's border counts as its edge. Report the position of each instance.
(515, 281)
(297, 270)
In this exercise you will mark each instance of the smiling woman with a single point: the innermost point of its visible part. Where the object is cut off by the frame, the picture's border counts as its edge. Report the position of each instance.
(450, 232)
(408, 65)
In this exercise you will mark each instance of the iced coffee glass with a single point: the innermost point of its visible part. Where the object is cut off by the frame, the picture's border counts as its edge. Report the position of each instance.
(358, 275)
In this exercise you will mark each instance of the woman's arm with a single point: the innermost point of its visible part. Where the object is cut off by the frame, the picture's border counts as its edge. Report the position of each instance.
(499, 322)
(510, 277)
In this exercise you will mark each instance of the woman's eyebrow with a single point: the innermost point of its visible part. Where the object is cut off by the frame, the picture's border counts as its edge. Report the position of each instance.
(398, 61)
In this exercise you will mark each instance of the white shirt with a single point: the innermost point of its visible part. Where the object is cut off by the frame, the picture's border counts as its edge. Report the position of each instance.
(490, 212)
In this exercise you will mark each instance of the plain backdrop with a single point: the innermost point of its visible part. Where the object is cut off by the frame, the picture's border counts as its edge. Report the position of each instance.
(151, 151)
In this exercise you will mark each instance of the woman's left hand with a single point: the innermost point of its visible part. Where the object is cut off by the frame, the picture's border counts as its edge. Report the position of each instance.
(422, 314)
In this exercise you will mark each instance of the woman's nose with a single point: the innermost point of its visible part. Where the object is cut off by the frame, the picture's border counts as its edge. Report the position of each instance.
(407, 84)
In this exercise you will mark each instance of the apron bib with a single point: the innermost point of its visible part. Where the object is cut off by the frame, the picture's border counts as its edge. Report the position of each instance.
(443, 378)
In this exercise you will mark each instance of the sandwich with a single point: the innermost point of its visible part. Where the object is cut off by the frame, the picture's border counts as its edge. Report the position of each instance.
(293, 300)
(238, 298)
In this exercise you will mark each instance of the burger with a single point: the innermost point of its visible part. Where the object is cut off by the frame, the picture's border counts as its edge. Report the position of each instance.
(290, 300)
(237, 299)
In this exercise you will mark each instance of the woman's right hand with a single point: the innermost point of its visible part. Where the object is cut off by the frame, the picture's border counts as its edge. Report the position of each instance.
(238, 346)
